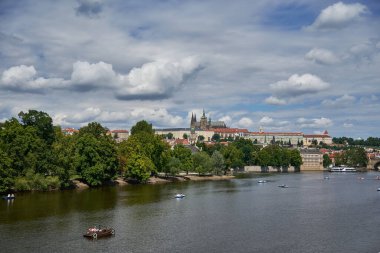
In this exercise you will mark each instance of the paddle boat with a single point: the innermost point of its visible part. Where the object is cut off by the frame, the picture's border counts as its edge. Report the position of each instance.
(283, 186)
(98, 231)
(179, 196)
(9, 196)
(378, 189)
(261, 181)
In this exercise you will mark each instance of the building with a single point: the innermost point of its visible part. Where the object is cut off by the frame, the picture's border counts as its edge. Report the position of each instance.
(119, 135)
(312, 160)
(310, 139)
(231, 133)
(69, 131)
(204, 123)
(266, 138)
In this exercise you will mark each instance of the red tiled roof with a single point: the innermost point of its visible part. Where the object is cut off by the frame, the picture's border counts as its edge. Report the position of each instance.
(70, 130)
(277, 133)
(230, 130)
(119, 131)
(182, 141)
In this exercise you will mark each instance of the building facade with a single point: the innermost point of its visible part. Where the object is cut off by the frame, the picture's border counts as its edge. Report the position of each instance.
(310, 139)
(312, 160)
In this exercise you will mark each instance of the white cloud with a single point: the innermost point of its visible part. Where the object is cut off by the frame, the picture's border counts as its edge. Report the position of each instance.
(338, 15)
(348, 125)
(226, 119)
(245, 122)
(23, 78)
(266, 120)
(343, 101)
(275, 101)
(314, 123)
(156, 79)
(298, 85)
(87, 76)
(322, 56)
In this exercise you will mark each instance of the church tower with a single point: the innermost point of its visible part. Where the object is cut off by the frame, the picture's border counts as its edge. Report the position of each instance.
(203, 122)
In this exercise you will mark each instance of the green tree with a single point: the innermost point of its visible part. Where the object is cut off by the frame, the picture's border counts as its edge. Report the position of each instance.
(295, 159)
(96, 158)
(174, 166)
(142, 126)
(95, 129)
(139, 167)
(202, 163)
(185, 136)
(216, 138)
(217, 162)
(6, 172)
(233, 157)
(201, 138)
(170, 136)
(326, 161)
(42, 122)
(357, 157)
(184, 155)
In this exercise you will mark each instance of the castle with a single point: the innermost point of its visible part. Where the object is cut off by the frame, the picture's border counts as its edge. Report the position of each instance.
(205, 124)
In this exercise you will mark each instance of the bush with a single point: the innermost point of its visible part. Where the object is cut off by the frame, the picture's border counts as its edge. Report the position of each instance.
(22, 184)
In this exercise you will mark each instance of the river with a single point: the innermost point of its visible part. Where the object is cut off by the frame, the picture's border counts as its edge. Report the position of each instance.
(314, 214)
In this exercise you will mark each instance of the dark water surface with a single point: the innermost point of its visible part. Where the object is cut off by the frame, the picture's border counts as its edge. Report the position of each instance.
(339, 214)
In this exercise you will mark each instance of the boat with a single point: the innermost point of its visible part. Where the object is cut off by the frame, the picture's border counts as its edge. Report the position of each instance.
(179, 196)
(8, 197)
(261, 181)
(378, 189)
(342, 169)
(98, 231)
(283, 186)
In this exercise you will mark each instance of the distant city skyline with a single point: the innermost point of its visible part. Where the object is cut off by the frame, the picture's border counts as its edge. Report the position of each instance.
(287, 66)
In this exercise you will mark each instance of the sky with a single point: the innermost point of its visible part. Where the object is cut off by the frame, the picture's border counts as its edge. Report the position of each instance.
(283, 65)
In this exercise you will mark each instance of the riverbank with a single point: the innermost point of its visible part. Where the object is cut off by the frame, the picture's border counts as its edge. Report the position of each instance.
(158, 180)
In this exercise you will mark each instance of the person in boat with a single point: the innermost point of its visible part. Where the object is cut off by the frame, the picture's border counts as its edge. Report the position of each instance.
(12, 195)
(9, 195)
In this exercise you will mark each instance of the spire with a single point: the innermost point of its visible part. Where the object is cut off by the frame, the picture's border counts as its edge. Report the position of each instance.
(204, 113)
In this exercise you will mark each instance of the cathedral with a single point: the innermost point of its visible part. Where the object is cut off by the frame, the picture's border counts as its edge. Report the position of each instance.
(205, 124)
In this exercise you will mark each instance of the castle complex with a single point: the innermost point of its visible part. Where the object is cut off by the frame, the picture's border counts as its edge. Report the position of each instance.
(205, 124)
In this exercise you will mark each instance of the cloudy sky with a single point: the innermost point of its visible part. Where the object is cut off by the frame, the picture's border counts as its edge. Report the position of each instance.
(285, 65)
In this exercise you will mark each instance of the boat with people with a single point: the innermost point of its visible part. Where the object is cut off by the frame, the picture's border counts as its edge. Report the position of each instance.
(261, 181)
(342, 169)
(179, 196)
(9, 196)
(283, 186)
(99, 231)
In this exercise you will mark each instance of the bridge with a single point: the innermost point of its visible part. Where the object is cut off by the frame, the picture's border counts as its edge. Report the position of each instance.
(374, 164)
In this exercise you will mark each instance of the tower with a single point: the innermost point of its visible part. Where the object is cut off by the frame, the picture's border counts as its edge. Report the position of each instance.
(203, 122)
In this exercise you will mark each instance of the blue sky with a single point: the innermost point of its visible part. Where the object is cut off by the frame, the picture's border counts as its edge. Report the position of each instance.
(284, 65)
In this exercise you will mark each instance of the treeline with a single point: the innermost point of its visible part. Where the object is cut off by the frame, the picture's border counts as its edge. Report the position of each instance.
(369, 142)
(35, 155)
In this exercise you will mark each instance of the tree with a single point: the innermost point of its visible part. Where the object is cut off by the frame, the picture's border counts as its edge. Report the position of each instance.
(169, 136)
(217, 162)
(142, 126)
(6, 172)
(184, 155)
(202, 163)
(185, 136)
(295, 159)
(356, 157)
(326, 161)
(201, 138)
(95, 129)
(96, 158)
(233, 157)
(215, 137)
(42, 122)
(174, 166)
(247, 148)
(139, 167)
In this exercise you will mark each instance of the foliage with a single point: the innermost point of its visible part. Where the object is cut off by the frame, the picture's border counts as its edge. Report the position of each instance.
(217, 160)
(184, 155)
(174, 166)
(326, 161)
(6, 172)
(142, 126)
(215, 137)
(370, 141)
(202, 163)
(139, 167)
(233, 157)
(40, 121)
(95, 129)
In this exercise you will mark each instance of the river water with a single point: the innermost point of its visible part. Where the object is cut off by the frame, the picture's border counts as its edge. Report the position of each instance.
(339, 214)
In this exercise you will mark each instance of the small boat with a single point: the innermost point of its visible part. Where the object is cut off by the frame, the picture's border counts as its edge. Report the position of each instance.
(283, 186)
(261, 181)
(179, 196)
(342, 169)
(378, 189)
(8, 197)
(98, 231)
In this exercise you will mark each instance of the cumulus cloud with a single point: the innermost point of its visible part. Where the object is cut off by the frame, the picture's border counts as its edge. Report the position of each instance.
(275, 101)
(296, 85)
(322, 56)
(89, 8)
(266, 120)
(154, 80)
(338, 15)
(226, 119)
(314, 123)
(245, 122)
(23, 79)
(342, 101)
(86, 76)
(157, 79)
